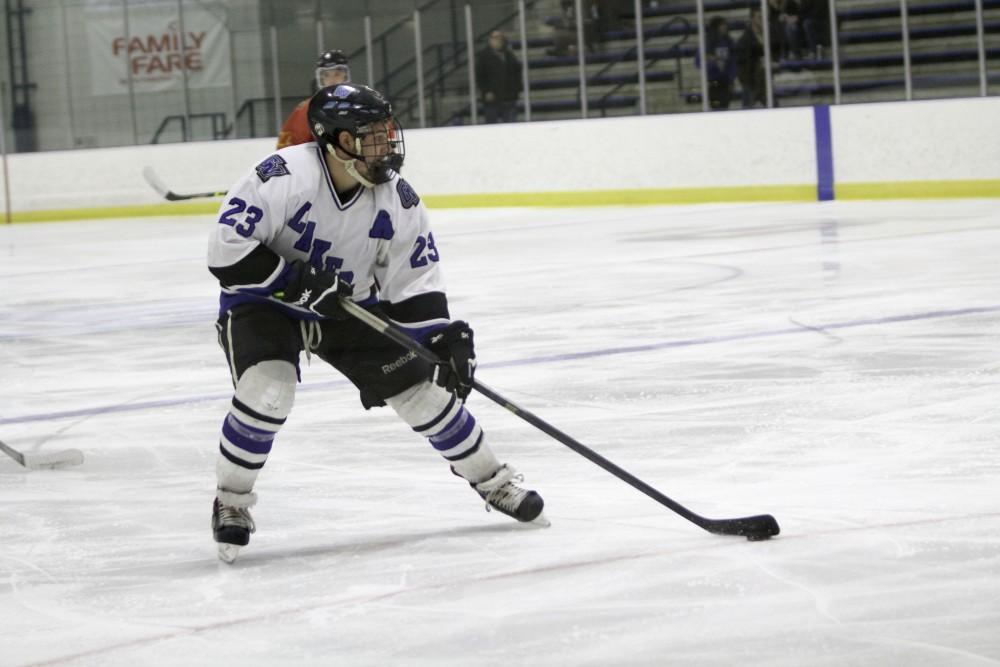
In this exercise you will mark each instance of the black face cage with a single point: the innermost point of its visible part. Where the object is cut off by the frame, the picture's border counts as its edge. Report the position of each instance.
(384, 155)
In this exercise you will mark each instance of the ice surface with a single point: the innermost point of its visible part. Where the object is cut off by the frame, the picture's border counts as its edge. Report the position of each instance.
(833, 364)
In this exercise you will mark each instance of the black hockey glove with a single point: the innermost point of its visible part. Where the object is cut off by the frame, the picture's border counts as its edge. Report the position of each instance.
(458, 356)
(316, 290)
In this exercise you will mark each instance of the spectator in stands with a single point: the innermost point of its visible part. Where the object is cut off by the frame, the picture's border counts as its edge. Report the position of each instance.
(613, 15)
(815, 18)
(785, 29)
(498, 77)
(793, 29)
(331, 68)
(721, 58)
(750, 61)
(564, 38)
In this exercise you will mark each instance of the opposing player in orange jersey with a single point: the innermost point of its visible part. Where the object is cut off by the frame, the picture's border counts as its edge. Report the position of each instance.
(331, 69)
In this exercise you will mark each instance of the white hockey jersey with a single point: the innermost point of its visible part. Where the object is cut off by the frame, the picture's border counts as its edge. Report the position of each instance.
(287, 209)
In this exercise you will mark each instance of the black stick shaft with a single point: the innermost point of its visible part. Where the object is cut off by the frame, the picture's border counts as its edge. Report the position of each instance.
(759, 526)
(168, 194)
(585, 452)
(173, 196)
(12, 453)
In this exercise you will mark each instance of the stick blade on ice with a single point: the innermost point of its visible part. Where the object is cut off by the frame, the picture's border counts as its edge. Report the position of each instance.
(168, 194)
(754, 528)
(39, 460)
(46, 460)
(155, 182)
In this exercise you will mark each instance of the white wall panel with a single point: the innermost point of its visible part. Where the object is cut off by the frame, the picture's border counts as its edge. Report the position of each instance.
(896, 142)
(917, 141)
(677, 151)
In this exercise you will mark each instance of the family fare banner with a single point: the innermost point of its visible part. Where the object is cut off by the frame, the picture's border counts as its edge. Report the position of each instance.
(159, 45)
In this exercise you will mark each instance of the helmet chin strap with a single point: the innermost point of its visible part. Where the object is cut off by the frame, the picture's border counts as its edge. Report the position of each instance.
(349, 163)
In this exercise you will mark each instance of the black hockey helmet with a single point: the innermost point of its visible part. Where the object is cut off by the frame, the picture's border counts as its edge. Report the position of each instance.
(358, 109)
(332, 61)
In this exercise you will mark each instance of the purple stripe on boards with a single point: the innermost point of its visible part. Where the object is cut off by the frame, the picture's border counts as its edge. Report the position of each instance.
(824, 153)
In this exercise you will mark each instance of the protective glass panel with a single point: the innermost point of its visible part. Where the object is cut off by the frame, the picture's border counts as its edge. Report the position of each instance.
(555, 73)
(670, 50)
(734, 56)
(803, 68)
(498, 58)
(444, 59)
(944, 49)
(293, 26)
(121, 72)
(871, 51)
(991, 43)
(394, 62)
(612, 56)
(53, 86)
(98, 89)
(203, 67)
(147, 72)
(344, 29)
(251, 93)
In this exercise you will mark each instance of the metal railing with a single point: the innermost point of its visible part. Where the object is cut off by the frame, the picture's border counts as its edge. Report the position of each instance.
(220, 130)
(632, 53)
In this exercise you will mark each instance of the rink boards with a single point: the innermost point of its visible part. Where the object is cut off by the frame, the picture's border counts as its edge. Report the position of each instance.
(938, 148)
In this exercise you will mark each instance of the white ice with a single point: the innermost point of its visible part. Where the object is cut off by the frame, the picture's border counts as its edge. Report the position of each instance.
(836, 365)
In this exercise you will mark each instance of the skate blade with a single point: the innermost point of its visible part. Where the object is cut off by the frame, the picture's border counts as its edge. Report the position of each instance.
(541, 521)
(228, 552)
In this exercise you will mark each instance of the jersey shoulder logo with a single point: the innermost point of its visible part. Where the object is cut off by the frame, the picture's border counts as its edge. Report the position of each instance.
(407, 195)
(272, 167)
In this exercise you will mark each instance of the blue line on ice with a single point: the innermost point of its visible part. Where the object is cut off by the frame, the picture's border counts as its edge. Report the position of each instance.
(530, 361)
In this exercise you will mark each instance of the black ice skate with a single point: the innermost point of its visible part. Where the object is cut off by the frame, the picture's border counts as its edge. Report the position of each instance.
(503, 494)
(231, 522)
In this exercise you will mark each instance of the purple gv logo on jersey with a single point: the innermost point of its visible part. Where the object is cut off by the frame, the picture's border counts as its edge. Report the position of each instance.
(271, 167)
(407, 195)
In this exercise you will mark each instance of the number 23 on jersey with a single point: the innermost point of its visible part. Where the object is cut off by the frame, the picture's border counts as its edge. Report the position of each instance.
(241, 217)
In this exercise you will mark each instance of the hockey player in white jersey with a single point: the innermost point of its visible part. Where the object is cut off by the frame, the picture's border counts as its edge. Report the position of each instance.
(307, 225)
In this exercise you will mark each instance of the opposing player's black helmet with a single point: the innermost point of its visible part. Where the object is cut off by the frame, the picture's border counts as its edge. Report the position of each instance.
(331, 58)
(358, 109)
(332, 61)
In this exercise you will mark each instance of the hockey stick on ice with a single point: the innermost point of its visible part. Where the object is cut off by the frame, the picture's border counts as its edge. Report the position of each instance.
(38, 460)
(758, 527)
(168, 194)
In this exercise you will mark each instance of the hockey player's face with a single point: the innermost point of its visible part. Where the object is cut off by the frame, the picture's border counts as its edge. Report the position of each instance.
(374, 153)
(333, 76)
(381, 147)
(376, 143)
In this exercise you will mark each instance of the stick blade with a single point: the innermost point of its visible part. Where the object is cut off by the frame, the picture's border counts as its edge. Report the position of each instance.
(754, 528)
(48, 460)
(155, 182)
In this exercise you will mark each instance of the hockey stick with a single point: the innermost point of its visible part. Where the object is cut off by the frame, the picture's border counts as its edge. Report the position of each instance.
(758, 527)
(169, 194)
(39, 460)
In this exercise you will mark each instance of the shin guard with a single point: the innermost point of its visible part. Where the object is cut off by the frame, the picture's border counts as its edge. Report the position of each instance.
(264, 396)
